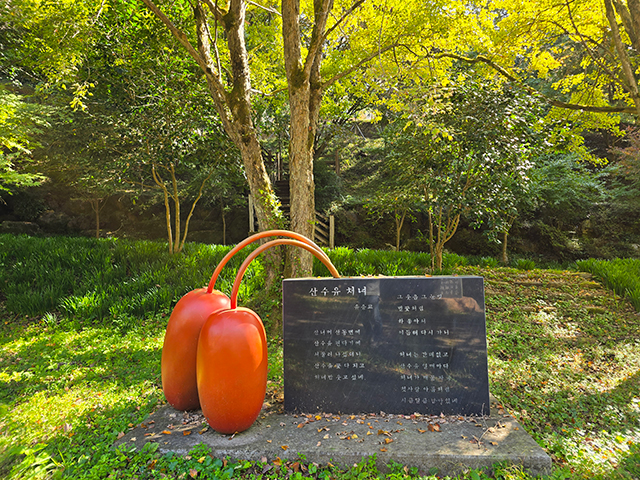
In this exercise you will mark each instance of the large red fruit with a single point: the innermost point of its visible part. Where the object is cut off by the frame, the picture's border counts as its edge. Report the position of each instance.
(179, 380)
(232, 369)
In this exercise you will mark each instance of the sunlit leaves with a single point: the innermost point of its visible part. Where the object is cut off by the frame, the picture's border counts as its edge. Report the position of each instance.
(20, 122)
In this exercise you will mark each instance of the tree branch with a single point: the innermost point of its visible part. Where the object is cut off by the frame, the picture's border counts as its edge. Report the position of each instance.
(176, 32)
(321, 14)
(556, 103)
(213, 80)
(355, 67)
(343, 17)
(588, 49)
(217, 12)
(628, 23)
(268, 9)
(627, 71)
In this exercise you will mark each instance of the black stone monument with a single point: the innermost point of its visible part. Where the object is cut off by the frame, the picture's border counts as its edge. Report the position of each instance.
(392, 344)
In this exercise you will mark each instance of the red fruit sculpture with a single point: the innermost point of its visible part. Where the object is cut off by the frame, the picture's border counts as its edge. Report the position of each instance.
(178, 363)
(232, 357)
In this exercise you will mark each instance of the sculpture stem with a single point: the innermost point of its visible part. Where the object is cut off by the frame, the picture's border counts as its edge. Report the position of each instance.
(258, 236)
(282, 241)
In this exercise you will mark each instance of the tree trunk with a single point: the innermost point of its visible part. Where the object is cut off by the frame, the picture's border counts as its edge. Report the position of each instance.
(505, 257)
(432, 252)
(301, 184)
(176, 208)
(305, 96)
(628, 76)
(95, 205)
(224, 225)
(167, 206)
(399, 222)
(439, 248)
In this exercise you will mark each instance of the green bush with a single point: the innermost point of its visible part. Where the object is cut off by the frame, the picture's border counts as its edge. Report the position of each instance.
(376, 262)
(620, 275)
(484, 262)
(525, 264)
(95, 279)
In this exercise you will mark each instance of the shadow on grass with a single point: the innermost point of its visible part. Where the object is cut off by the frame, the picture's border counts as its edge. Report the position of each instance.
(84, 451)
(65, 359)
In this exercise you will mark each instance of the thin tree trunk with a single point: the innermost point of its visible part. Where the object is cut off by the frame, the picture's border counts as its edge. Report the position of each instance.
(399, 223)
(431, 249)
(439, 253)
(234, 105)
(224, 225)
(176, 205)
(505, 257)
(95, 206)
(167, 205)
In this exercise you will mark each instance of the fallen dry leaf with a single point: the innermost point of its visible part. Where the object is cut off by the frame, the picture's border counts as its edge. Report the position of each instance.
(383, 449)
(421, 430)
(120, 435)
(186, 432)
(388, 440)
(284, 447)
(193, 473)
(494, 443)
(166, 432)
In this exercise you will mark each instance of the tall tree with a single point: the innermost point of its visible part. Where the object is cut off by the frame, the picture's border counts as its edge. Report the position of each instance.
(313, 34)
(462, 147)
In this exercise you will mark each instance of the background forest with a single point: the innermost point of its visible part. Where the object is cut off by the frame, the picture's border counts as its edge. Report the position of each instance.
(483, 129)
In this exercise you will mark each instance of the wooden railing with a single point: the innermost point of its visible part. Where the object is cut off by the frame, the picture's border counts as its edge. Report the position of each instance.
(324, 232)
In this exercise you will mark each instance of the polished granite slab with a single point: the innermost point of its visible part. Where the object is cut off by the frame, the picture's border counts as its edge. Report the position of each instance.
(391, 344)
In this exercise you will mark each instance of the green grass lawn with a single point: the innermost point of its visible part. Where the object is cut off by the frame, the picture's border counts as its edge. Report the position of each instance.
(564, 359)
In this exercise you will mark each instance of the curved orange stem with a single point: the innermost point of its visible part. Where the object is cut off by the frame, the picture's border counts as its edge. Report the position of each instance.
(282, 241)
(258, 236)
